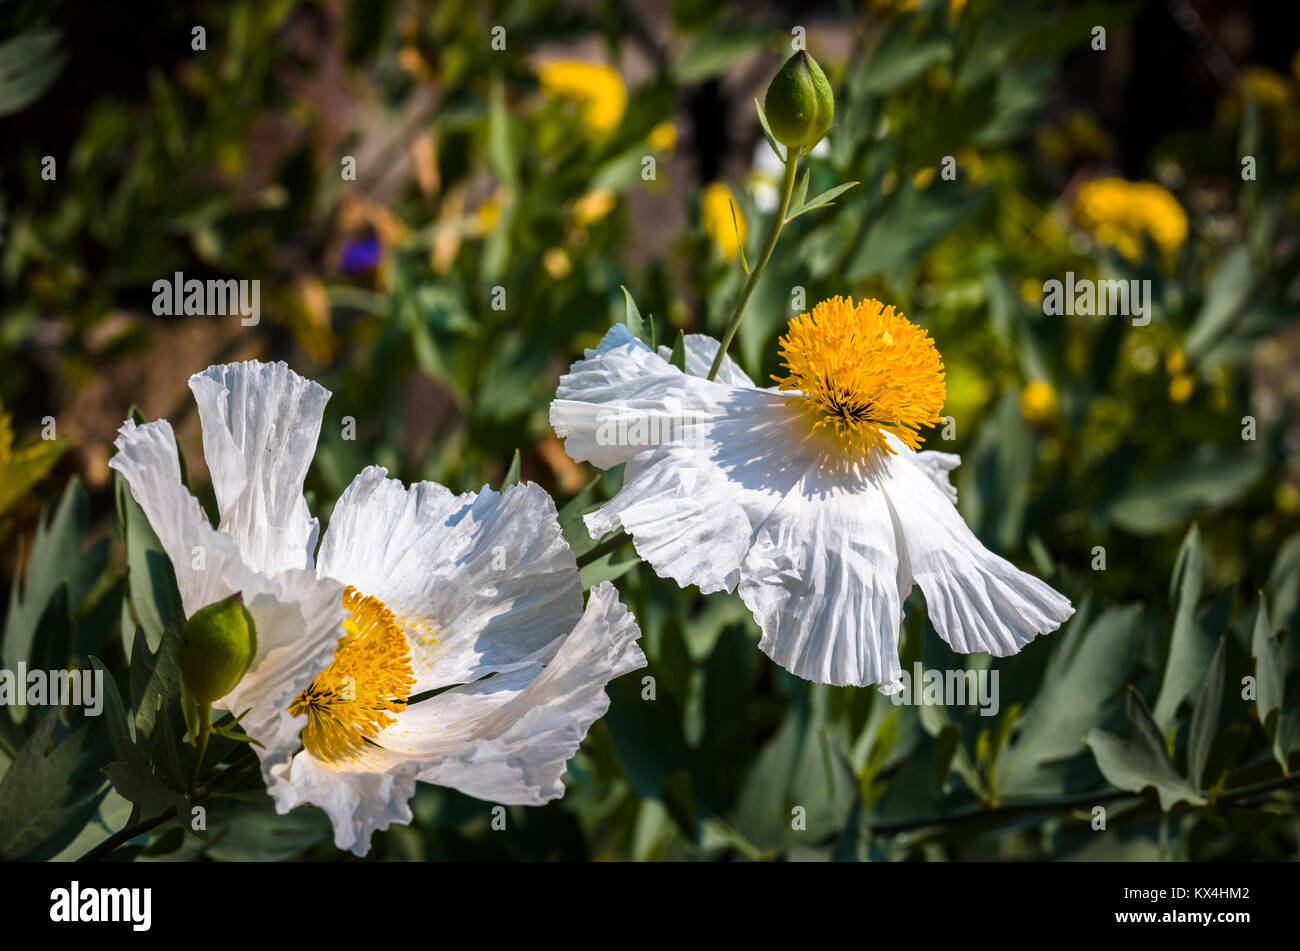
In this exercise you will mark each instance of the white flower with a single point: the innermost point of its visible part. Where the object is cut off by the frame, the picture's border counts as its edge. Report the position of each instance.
(808, 497)
(415, 590)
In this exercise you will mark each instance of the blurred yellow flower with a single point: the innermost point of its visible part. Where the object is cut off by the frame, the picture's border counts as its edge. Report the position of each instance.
(594, 205)
(716, 203)
(1117, 212)
(598, 89)
(487, 215)
(1175, 361)
(662, 137)
(922, 179)
(1031, 289)
(557, 263)
(1287, 498)
(1270, 88)
(1180, 388)
(1038, 401)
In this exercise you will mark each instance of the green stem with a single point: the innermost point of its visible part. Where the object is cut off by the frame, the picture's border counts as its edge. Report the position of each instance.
(604, 548)
(205, 729)
(774, 232)
(125, 835)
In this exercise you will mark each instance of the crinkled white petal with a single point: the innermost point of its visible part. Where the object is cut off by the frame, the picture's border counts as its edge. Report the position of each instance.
(977, 601)
(822, 578)
(936, 465)
(692, 508)
(504, 738)
(260, 425)
(297, 614)
(624, 397)
(478, 581)
(359, 802)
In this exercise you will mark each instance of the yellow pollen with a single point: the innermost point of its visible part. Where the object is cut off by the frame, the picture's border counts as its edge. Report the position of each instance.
(863, 371)
(369, 679)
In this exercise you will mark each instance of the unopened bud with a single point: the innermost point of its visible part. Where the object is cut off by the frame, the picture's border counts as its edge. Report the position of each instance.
(799, 103)
(217, 645)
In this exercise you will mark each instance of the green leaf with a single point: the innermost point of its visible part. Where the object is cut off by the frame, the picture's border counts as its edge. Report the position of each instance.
(1140, 760)
(767, 132)
(49, 794)
(1227, 293)
(1088, 664)
(1183, 488)
(632, 316)
(151, 582)
(512, 474)
(820, 201)
(1270, 682)
(678, 356)
(715, 49)
(735, 229)
(56, 559)
(260, 835)
(155, 681)
(900, 57)
(909, 225)
(29, 64)
(1205, 719)
(1190, 644)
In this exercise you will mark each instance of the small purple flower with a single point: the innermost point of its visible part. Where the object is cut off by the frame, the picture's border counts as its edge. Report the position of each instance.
(361, 254)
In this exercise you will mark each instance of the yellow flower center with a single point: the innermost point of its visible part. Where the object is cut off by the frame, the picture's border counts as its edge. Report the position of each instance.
(863, 371)
(353, 698)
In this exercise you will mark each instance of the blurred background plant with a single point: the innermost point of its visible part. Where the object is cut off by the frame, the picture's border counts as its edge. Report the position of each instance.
(507, 184)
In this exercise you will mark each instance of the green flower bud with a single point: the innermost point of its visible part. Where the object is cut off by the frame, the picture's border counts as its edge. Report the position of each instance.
(799, 103)
(217, 646)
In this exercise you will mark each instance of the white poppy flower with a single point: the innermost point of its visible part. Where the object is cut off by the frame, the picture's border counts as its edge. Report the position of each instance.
(807, 496)
(473, 598)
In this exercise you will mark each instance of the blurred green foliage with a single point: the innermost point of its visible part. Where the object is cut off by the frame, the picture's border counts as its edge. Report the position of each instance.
(1149, 472)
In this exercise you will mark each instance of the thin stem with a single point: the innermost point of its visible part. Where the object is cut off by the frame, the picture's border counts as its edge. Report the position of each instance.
(205, 729)
(1064, 804)
(604, 548)
(774, 232)
(125, 835)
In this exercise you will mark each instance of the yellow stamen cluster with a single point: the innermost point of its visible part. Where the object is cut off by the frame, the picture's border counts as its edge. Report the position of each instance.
(863, 371)
(353, 698)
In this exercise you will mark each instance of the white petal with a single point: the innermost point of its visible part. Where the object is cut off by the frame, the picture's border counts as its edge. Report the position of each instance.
(692, 507)
(936, 465)
(206, 562)
(976, 600)
(623, 397)
(478, 581)
(260, 424)
(520, 741)
(822, 579)
(358, 802)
